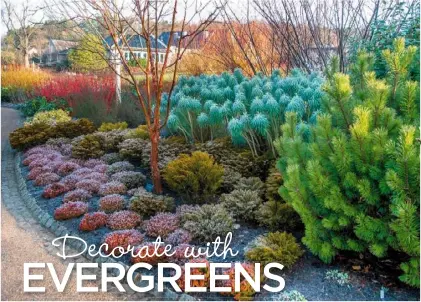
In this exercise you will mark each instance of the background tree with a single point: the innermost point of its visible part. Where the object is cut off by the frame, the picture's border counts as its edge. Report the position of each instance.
(89, 55)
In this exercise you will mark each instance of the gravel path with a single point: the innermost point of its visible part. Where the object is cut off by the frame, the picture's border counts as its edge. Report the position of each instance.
(25, 240)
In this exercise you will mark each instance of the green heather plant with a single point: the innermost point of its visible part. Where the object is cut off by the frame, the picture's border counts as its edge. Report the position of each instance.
(90, 146)
(355, 179)
(148, 204)
(105, 127)
(196, 176)
(242, 203)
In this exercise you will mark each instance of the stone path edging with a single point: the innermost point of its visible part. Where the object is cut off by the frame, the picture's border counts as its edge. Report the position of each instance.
(48, 222)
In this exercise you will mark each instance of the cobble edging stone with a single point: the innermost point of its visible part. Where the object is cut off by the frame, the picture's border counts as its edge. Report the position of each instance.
(48, 222)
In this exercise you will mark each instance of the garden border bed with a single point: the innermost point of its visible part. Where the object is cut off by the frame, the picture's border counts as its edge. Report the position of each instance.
(48, 221)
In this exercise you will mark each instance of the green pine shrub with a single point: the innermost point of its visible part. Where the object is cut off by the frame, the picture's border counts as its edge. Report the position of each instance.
(39, 133)
(207, 222)
(242, 203)
(196, 177)
(90, 146)
(275, 247)
(355, 180)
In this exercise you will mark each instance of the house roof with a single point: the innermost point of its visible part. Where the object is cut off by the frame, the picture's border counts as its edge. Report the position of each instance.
(137, 41)
(165, 36)
(62, 45)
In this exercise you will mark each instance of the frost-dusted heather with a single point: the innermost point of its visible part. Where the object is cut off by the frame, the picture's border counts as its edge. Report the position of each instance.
(162, 224)
(35, 172)
(31, 158)
(93, 162)
(93, 221)
(111, 203)
(130, 179)
(146, 249)
(77, 195)
(46, 179)
(179, 236)
(67, 168)
(112, 187)
(70, 181)
(111, 158)
(39, 163)
(119, 167)
(82, 171)
(70, 210)
(102, 168)
(97, 176)
(90, 185)
(185, 209)
(148, 204)
(122, 239)
(123, 220)
(131, 149)
(54, 190)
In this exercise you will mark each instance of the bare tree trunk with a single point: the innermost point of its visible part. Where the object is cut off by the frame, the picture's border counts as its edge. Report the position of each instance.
(26, 59)
(156, 175)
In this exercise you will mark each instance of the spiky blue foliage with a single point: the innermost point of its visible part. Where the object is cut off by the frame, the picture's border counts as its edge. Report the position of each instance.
(260, 124)
(238, 108)
(203, 120)
(257, 106)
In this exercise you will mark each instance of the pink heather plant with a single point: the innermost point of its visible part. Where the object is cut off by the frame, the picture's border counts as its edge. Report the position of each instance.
(82, 172)
(77, 195)
(101, 177)
(54, 190)
(67, 168)
(112, 187)
(92, 163)
(111, 203)
(162, 224)
(179, 236)
(78, 161)
(123, 220)
(39, 163)
(35, 172)
(122, 239)
(180, 252)
(93, 221)
(31, 158)
(70, 181)
(100, 168)
(70, 210)
(90, 185)
(46, 179)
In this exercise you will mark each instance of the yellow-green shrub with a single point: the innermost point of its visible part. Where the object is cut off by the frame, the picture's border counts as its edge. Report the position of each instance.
(91, 146)
(105, 127)
(140, 132)
(194, 176)
(52, 117)
(275, 247)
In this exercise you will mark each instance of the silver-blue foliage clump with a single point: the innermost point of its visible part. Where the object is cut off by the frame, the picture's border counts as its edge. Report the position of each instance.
(249, 110)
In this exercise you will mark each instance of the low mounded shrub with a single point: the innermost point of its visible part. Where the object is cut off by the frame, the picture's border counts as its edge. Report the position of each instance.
(46, 179)
(208, 222)
(70, 181)
(184, 210)
(111, 203)
(35, 172)
(180, 253)
(123, 220)
(162, 224)
(90, 185)
(250, 183)
(91, 146)
(70, 210)
(93, 162)
(100, 168)
(122, 239)
(147, 253)
(140, 132)
(179, 236)
(37, 134)
(51, 117)
(111, 139)
(229, 180)
(195, 177)
(77, 195)
(67, 168)
(148, 204)
(277, 215)
(112, 187)
(130, 179)
(54, 190)
(43, 161)
(246, 292)
(120, 166)
(111, 158)
(97, 176)
(275, 247)
(202, 271)
(242, 203)
(93, 221)
(105, 127)
(131, 149)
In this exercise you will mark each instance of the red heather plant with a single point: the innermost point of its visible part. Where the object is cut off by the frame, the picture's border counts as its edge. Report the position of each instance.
(92, 163)
(35, 172)
(82, 172)
(70, 210)
(179, 236)
(111, 203)
(123, 220)
(100, 168)
(246, 290)
(46, 179)
(93, 221)
(100, 177)
(122, 239)
(77, 195)
(54, 190)
(204, 271)
(70, 181)
(31, 158)
(162, 224)
(39, 163)
(180, 253)
(112, 187)
(67, 168)
(146, 252)
(90, 185)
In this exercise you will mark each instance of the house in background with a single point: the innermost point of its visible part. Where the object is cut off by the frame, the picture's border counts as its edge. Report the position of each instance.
(57, 52)
(136, 48)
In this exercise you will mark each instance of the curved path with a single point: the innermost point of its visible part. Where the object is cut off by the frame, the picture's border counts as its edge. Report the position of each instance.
(23, 239)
